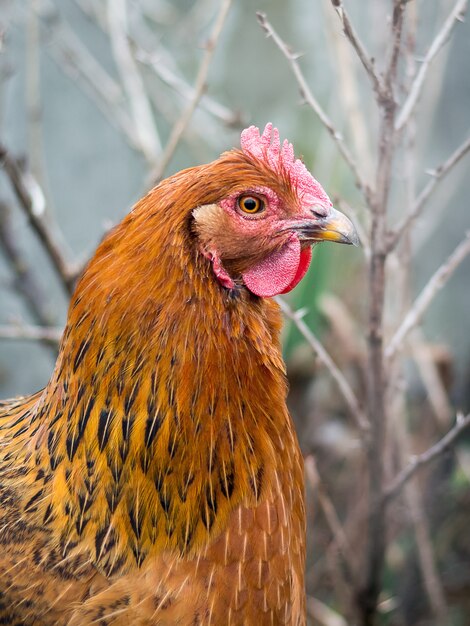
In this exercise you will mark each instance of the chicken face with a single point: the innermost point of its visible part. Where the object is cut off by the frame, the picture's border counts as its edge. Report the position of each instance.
(261, 235)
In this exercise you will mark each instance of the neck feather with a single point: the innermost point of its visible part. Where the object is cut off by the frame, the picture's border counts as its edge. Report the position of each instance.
(166, 409)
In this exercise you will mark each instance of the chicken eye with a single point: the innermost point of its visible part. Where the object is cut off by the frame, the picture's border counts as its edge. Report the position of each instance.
(250, 204)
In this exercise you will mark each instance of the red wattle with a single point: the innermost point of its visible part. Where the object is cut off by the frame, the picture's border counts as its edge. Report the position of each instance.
(279, 272)
(305, 258)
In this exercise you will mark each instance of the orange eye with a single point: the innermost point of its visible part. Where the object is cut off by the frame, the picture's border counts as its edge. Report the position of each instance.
(250, 204)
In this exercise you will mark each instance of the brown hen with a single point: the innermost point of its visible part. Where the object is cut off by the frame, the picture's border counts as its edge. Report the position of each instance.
(157, 479)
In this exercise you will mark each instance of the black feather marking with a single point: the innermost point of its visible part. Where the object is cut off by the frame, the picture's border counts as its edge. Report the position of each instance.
(136, 522)
(231, 436)
(211, 499)
(159, 479)
(130, 398)
(151, 405)
(165, 501)
(80, 524)
(99, 538)
(169, 526)
(207, 516)
(187, 534)
(56, 418)
(51, 441)
(17, 421)
(48, 514)
(123, 450)
(152, 426)
(73, 438)
(113, 497)
(139, 555)
(71, 445)
(184, 486)
(121, 382)
(19, 432)
(84, 502)
(172, 445)
(116, 565)
(83, 317)
(100, 354)
(80, 392)
(227, 481)
(127, 423)
(104, 430)
(85, 416)
(256, 482)
(30, 505)
(212, 460)
(145, 459)
(116, 471)
(55, 460)
(83, 349)
(171, 393)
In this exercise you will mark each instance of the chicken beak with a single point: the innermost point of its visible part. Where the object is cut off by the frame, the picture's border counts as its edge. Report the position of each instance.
(332, 227)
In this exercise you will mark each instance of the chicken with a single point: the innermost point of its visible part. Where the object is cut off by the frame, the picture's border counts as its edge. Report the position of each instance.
(157, 479)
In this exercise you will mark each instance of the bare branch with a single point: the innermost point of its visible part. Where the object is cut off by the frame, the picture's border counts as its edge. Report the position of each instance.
(173, 80)
(48, 334)
(416, 511)
(323, 614)
(315, 106)
(423, 459)
(441, 38)
(331, 516)
(435, 284)
(75, 60)
(25, 283)
(144, 123)
(377, 409)
(438, 174)
(31, 200)
(199, 88)
(325, 358)
(431, 377)
(358, 46)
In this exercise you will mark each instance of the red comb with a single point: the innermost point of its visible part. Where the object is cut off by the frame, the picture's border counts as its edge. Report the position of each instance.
(267, 147)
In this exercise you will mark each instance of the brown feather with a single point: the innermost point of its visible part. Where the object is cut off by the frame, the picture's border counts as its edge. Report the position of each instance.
(157, 479)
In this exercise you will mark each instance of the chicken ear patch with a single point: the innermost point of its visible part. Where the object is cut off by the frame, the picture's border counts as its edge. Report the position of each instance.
(280, 272)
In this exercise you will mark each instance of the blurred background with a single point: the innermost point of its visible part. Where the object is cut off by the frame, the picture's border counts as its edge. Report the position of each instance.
(90, 93)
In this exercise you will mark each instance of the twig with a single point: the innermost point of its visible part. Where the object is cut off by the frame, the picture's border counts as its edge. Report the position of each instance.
(368, 595)
(144, 123)
(419, 461)
(31, 201)
(414, 503)
(25, 282)
(437, 174)
(48, 334)
(323, 614)
(325, 358)
(358, 46)
(348, 95)
(314, 105)
(435, 283)
(331, 516)
(199, 88)
(75, 60)
(442, 36)
(173, 80)
(431, 378)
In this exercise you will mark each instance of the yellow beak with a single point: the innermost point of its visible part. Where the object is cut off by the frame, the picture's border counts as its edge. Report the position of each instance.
(334, 226)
